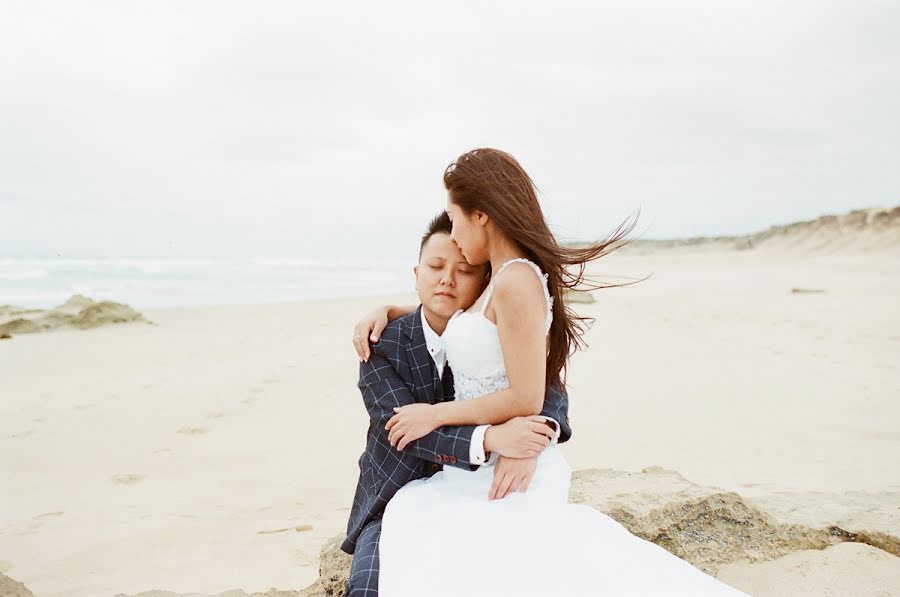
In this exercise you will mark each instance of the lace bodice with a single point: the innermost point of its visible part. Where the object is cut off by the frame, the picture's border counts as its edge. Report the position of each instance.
(473, 344)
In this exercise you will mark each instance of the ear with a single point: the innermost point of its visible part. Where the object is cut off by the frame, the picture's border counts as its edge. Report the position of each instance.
(481, 217)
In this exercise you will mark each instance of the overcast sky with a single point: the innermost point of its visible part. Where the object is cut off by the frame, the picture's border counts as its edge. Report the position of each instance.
(306, 129)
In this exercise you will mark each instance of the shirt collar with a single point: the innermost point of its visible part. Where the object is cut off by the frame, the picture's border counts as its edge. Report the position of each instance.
(434, 342)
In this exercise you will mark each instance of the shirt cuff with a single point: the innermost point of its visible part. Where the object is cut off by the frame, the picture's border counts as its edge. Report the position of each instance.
(476, 447)
(557, 430)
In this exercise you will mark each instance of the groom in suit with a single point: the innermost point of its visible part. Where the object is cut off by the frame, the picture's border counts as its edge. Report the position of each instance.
(407, 365)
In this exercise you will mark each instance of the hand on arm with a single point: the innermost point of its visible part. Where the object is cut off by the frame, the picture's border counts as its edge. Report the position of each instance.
(383, 390)
(369, 328)
(519, 306)
(520, 437)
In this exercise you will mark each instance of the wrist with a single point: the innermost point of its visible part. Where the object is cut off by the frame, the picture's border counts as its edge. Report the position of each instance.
(439, 412)
(489, 441)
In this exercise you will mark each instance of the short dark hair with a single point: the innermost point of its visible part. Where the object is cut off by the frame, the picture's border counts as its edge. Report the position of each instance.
(439, 224)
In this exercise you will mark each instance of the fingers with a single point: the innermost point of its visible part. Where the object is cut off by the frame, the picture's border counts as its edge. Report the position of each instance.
(377, 328)
(360, 341)
(523, 485)
(402, 442)
(395, 436)
(514, 486)
(498, 477)
(358, 345)
(538, 444)
(365, 331)
(373, 337)
(541, 429)
(503, 487)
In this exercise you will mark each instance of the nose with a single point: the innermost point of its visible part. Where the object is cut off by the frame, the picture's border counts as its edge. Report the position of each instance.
(447, 278)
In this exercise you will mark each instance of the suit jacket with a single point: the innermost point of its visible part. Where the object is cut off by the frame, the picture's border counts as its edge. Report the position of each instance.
(400, 371)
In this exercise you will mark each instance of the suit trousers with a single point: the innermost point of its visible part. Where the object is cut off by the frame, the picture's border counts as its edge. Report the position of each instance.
(364, 569)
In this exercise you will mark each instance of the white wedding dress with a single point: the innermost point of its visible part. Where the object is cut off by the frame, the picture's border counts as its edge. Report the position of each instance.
(442, 536)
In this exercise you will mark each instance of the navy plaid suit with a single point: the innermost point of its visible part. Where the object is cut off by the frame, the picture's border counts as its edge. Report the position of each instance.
(400, 371)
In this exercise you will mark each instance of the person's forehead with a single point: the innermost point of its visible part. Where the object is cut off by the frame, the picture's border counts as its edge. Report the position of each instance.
(440, 245)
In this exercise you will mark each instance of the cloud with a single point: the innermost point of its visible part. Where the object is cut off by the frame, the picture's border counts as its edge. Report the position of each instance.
(279, 128)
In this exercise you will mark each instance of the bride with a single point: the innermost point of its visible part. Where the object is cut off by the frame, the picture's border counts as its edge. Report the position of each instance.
(446, 534)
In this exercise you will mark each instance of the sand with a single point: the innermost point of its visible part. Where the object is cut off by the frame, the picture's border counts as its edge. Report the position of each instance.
(218, 448)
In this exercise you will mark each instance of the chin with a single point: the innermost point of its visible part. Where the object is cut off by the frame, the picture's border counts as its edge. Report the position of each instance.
(443, 307)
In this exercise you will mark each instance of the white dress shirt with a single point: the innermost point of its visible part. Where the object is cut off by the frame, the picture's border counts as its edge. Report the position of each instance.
(438, 352)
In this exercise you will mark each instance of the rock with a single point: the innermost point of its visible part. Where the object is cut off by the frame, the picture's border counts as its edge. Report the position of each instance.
(845, 569)
(576, 296)
(78, 312)
(20, 325)
(715, 530)
(334, 570)
(708, 527)
(75, 304)
(12, 588)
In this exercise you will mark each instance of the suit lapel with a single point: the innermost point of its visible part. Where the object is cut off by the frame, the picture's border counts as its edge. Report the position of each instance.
(425, 377)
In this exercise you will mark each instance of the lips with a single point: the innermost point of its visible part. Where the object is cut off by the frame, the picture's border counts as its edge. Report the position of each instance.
(444, 294)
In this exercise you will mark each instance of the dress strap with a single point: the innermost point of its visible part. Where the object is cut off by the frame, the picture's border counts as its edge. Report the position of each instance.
(540, 274)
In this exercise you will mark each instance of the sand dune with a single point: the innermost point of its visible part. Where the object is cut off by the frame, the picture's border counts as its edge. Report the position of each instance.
(863, 230)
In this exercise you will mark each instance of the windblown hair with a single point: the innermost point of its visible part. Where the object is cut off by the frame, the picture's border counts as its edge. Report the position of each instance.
(493, 182)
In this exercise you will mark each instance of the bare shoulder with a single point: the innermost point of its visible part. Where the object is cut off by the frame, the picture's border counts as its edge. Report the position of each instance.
(519, 285)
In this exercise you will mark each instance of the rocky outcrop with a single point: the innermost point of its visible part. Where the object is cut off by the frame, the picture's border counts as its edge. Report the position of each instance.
(79, 312)
(576, 296)
(715, 530)
(708, 527)
(12, 588)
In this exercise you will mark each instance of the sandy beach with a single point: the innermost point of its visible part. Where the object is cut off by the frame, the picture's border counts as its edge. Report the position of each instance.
(217, 448)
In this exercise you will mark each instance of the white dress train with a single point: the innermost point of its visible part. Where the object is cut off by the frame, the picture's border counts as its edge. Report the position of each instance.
(442, 536)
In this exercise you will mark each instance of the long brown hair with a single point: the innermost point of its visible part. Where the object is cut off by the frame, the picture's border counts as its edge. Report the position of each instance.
(492, 181)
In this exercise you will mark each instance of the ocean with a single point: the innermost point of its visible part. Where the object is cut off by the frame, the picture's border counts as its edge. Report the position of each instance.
(146, 283)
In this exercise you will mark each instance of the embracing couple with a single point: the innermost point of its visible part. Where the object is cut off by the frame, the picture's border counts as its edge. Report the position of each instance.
(463, 488)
